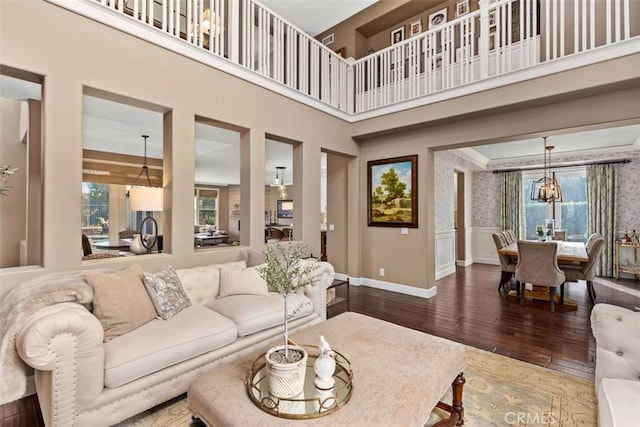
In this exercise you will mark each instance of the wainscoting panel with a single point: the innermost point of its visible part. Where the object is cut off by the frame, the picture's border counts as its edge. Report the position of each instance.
(445, 253)
(483, 247)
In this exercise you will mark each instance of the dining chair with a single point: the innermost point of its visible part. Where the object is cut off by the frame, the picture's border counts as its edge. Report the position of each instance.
(586, 270)
(510, 235)
(538, 265)
(507, 265)
(87, 251)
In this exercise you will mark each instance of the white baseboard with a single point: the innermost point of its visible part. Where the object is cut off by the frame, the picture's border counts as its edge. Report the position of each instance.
(341, 276)
(394, 287)
(445, 271)
(464, 262)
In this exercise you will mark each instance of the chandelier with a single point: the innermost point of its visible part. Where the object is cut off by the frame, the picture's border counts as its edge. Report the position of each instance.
(146, 199)
(546, 189)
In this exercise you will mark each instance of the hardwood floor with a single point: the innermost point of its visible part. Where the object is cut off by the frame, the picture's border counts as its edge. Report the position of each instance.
(468, 309)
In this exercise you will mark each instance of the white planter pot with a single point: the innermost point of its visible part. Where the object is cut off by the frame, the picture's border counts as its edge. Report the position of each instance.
(286, 380)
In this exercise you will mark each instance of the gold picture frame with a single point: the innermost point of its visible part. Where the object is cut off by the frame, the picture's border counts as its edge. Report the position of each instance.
(392, 197)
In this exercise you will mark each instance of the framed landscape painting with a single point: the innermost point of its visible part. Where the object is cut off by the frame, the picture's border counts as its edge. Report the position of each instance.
(392, 192)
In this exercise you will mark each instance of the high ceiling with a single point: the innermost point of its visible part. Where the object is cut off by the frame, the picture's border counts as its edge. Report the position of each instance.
(316, 16)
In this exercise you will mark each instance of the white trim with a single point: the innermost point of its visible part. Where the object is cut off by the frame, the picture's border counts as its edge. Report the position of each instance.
(394, 287)
(112, 18)
(445, 253)
(472, 156)
(341, 276)
(464, 263)
(604, 53)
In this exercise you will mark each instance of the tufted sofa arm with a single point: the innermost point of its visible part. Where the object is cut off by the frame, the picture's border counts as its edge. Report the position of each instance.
(63, 343)
(318, 291)
(617, 333)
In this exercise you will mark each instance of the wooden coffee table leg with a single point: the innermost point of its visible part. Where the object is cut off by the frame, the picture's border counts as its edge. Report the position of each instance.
(455, 409)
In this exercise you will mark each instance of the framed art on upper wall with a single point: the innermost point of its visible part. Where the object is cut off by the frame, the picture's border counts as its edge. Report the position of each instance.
(462, 8)
(415, 28)
(397, 35)
(438, 18)
(392, 198)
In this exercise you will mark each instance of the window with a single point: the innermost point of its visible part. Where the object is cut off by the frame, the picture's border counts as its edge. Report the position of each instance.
(570, 214)
(206, 206)
(95, 208)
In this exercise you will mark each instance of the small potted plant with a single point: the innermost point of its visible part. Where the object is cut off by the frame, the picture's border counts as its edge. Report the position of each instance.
(286, 269)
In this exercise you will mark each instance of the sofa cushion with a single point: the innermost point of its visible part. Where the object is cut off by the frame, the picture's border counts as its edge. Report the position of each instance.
(618, 402)
(120, 301)
(247, 281)
(253, 313)
(166, 292)
(163, 343)
(202, 284)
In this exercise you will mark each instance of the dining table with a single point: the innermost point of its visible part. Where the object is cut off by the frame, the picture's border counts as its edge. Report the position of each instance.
(568, 253)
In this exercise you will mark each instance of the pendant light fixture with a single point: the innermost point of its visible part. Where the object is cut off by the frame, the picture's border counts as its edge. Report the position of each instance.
(546, 189)
(146, 199)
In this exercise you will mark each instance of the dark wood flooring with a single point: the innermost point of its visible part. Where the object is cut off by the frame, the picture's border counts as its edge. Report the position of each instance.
(468, 309)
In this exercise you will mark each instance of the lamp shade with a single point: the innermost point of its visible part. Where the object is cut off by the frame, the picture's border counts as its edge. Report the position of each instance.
(145, 199)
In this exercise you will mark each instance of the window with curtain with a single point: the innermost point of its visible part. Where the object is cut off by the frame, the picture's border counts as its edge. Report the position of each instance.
(569, 215)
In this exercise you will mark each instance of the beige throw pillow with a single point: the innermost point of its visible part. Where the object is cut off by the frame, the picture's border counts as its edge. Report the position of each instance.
(120, 301)
(238, 282)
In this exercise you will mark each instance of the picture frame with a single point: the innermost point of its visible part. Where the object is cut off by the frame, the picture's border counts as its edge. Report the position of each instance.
(397, 35)
(392, 192)
(437, 19)
(492, 19)
(462, 8)
(415, 28)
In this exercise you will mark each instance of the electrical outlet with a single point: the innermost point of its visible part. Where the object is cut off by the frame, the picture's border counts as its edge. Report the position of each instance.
(332, 227)
(382, 272)
(404, 230)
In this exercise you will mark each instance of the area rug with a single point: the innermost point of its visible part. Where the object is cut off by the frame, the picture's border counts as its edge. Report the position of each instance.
(615, 286)
(499, 391)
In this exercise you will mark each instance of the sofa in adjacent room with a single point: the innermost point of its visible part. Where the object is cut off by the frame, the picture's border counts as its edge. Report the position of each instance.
(135, 339)
(617, 333)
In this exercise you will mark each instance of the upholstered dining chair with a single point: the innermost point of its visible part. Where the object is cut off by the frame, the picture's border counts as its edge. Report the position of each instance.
(88, 252)
(586, 270)
(510, 236)
(507, 265)
(538, 265)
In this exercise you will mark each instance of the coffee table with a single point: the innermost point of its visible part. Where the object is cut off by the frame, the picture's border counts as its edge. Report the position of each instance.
(399, 377)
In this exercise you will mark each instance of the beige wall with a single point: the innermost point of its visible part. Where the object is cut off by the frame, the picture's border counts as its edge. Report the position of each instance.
(337, 212)
(113, 62)
(13, 213)
(596, 95)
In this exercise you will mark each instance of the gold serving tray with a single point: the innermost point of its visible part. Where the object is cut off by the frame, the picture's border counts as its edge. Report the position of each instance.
(311, 402)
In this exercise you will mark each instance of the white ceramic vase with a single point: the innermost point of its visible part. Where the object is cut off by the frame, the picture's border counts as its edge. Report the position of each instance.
(286, 380)
(324, 367)
(136, 245)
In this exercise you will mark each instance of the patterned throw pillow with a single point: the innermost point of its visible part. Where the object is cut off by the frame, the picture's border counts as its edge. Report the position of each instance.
(167, 293)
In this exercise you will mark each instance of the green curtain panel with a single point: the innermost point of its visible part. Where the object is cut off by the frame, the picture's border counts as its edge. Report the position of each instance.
(601, 201)
(511, 205)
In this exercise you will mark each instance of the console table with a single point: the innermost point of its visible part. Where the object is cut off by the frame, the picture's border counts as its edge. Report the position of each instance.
(635, 269)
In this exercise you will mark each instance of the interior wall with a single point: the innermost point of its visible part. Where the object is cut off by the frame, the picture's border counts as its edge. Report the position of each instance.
(337, 212)
(165, 80)
(13, 212)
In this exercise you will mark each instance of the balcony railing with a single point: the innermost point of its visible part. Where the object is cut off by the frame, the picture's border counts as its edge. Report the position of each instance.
(501, 37)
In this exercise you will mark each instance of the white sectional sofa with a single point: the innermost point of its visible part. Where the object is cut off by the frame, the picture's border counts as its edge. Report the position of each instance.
(617, 333)
(83, 381)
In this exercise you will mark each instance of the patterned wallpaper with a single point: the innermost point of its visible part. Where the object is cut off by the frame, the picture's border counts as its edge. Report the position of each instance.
(486, 186)
(446, 164)
(485, 205)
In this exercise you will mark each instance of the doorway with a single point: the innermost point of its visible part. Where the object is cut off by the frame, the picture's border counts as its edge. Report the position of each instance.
(459, 217)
